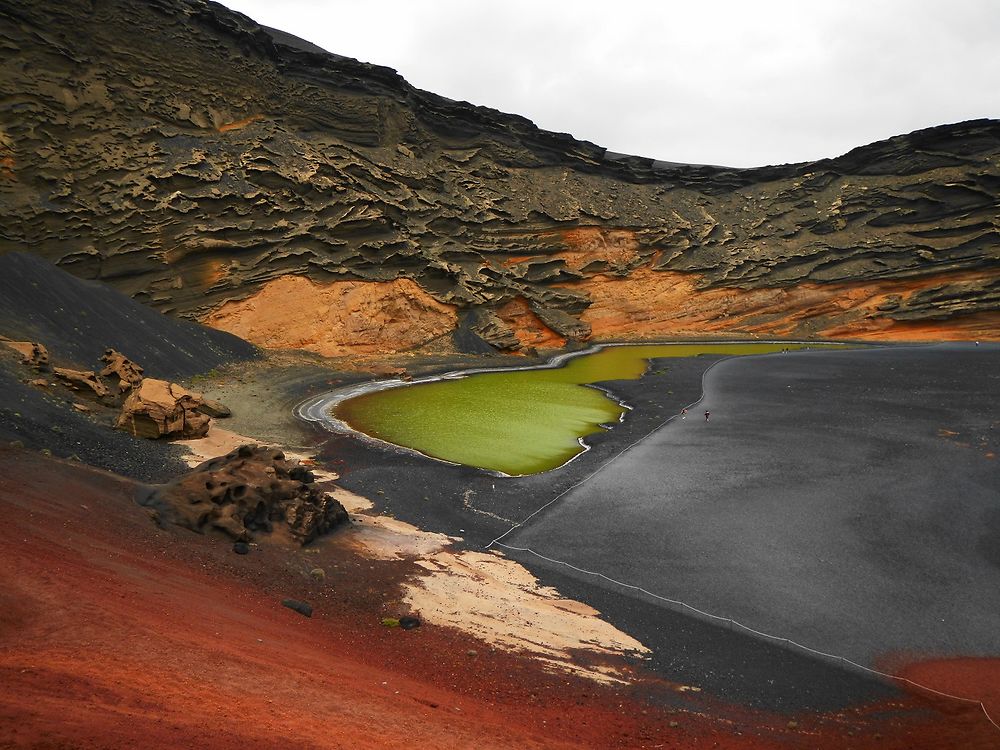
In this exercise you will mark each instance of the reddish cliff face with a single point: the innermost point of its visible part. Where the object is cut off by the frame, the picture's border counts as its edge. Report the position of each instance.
(192, 158)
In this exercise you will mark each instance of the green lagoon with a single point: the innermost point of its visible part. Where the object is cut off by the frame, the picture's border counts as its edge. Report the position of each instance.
(517, 421)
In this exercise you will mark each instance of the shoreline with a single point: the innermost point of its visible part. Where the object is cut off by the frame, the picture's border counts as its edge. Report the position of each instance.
(319, 409)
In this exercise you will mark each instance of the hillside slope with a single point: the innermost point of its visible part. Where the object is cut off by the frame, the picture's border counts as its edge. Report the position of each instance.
(224, 172)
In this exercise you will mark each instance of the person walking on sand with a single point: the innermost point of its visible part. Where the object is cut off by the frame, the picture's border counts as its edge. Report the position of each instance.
(706, 415)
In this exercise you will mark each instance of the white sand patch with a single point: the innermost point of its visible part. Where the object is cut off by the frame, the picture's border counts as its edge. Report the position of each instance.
(351, 502)
(385, 537)
(499, 601)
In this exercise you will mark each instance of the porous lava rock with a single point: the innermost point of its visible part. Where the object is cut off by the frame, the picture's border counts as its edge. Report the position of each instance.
(83, 381)
(32, 353)
(251, 491)
(128, 372)
(158, 408)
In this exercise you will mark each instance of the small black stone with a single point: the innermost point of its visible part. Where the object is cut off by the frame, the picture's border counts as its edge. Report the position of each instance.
(241, 548)
(295, 605)
(409, 623)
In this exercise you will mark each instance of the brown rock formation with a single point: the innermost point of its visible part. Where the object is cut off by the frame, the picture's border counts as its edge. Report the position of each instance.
(337, 318)
(650, 304)
(212, 408)
(83, 381)
(250, 491)
(288, 195)
(527, 327)
(157, 408)
(32, 353)
(128, 372)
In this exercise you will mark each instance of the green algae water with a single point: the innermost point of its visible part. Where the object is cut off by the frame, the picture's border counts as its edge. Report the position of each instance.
(517, 421)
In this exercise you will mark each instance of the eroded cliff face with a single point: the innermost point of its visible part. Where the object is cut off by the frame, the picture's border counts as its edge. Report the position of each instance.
(337, 318)
(224, 172)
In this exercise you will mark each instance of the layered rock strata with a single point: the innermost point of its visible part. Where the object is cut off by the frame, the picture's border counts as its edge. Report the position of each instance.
(222, 172)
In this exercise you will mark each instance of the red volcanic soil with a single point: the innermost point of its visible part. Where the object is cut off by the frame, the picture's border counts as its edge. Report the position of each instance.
(115, 633)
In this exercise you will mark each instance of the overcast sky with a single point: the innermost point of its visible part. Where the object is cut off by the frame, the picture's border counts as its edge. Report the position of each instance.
(734, 82)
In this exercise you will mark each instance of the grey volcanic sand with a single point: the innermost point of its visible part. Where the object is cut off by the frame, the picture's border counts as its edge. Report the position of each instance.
(794, 444)
(823, 502)
(460, 500)
(77, 320)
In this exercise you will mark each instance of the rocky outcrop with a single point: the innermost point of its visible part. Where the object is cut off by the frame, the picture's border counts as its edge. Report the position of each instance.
(80, 320)
(251, 491)
(83, 381)
(129, 374)
(32, 353)
(157, 408)
(152, 409)
(338, 317)
(278, 172)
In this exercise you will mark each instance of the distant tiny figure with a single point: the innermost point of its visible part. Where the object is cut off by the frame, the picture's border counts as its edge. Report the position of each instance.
(684, 411)
(706, 415)
(977, 343)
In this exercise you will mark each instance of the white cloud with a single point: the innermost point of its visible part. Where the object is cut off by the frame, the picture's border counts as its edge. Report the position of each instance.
(718, 81)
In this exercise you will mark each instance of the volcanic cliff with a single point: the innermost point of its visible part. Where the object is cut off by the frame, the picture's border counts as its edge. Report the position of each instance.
(233, 174)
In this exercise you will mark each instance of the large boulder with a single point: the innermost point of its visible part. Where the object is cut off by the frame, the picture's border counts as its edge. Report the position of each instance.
(158, 408)
(250, 491)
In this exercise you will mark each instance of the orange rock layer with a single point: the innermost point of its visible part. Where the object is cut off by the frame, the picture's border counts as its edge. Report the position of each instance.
(528, 327)
(342, 318)
(616, 247)
(337, 318)
(650, 304)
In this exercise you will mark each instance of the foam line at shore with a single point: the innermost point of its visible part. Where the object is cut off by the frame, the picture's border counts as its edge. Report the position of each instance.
(319, 409)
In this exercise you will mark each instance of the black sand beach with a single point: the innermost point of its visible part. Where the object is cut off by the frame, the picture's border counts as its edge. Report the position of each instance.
(847, 502)
(823, 482)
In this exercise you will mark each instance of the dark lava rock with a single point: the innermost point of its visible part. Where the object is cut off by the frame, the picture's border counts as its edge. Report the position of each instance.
(303, 608)
(247, 492)
(241, 548)
(302, 474)
(409, 622)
